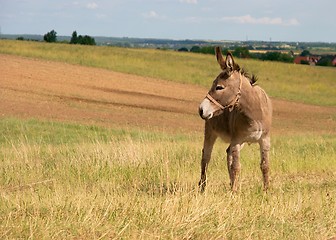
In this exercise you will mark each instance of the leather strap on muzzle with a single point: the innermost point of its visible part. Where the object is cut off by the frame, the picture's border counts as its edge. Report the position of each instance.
(208, 96)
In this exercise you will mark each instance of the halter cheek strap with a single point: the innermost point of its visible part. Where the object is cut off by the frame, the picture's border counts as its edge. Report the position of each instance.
(232, 103)
(208, 96)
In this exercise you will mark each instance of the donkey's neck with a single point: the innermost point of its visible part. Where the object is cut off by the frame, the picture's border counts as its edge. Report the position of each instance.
(249, 102)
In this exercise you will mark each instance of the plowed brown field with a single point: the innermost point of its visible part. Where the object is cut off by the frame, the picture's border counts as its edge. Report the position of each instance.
(31, 88)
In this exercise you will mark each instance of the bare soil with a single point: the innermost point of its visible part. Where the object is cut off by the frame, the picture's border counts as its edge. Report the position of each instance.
(31, 88)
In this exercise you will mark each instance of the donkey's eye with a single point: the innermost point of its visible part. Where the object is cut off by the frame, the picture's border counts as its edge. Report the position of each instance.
(219, 87)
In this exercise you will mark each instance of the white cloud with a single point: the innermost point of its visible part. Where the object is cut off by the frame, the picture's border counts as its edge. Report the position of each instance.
(193, 20)
(152, 14)
(293, 22)
(248, 19)
(189, 1)
(92, 5)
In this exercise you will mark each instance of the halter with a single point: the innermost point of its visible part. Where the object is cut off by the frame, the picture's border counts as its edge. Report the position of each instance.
(232, 103)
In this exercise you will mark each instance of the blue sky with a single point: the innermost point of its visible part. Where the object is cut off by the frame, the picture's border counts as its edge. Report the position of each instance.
(278, 20)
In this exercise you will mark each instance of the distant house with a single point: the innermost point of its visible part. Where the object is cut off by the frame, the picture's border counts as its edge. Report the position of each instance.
(334, 61)
(310, 60)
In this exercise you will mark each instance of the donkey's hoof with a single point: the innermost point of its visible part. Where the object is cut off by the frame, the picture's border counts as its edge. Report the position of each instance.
(202, 185)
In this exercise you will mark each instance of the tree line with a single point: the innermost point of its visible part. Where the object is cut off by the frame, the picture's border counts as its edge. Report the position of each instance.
(75, 38)
(243, 52)
(239, 51)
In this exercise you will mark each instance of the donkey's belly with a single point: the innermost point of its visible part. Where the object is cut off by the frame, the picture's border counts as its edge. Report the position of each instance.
(254, 132)
(224, 136)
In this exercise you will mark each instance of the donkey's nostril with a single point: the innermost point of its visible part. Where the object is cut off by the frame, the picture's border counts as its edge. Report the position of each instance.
(200, 111)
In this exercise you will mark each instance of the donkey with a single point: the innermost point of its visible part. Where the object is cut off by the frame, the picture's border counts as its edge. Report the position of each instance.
(238, 111)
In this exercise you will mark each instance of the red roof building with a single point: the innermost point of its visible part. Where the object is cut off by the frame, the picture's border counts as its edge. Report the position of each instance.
(334, 61)
(311, 60)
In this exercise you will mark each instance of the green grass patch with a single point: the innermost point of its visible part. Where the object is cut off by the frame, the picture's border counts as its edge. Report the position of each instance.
(60, 180)
(41, 132)
(308, 84)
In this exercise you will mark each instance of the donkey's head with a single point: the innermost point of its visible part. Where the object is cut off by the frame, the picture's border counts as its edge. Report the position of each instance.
(225, 90)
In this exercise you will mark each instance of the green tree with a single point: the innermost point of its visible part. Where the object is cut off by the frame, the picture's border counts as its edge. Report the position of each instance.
(208, 50)
(305, 53)
(74, 38)
(183, 49)
(277, 56)
(241, 52)
(84, 40)
(195, 49)
(50, 36)
(325, 61)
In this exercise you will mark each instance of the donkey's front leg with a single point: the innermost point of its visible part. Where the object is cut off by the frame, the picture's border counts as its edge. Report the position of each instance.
(209, 141)
(234, 167)
(265, 145)
(229, 163)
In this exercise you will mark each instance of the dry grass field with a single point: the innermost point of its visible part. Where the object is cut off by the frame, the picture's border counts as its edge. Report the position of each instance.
(90, 153)
(59, 91)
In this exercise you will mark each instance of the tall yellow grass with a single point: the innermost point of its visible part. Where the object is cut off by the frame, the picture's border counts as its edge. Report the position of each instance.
(96, 183)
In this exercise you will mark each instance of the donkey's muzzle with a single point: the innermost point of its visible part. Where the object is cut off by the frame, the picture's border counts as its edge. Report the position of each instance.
(206, 110)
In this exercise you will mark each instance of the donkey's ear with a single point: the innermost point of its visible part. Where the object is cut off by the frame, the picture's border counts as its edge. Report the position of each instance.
(220, 58)
(229, 62)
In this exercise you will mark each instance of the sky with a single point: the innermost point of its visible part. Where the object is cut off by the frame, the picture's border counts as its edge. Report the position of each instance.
(263, 20)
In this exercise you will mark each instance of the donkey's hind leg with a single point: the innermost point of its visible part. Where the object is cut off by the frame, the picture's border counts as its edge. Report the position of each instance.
(231, 169)
(265, 144)
(234, 169)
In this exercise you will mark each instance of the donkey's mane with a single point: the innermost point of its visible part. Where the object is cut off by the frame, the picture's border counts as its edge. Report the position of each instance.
(252, 78)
